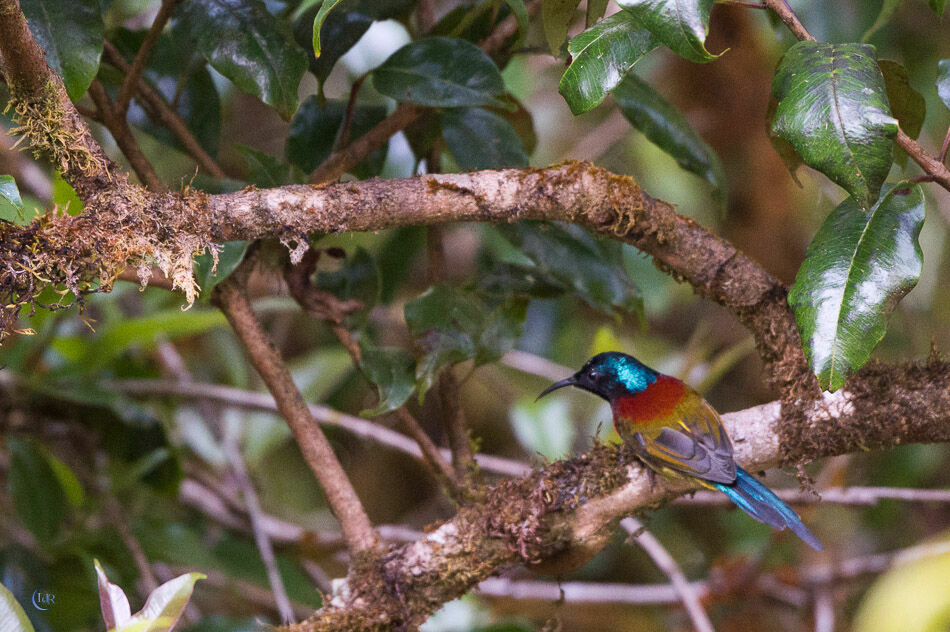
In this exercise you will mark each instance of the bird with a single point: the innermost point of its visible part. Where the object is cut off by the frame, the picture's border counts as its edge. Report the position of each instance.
(677, 433)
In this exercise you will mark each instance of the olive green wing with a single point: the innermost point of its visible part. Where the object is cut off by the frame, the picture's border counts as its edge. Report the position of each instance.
(691, 441)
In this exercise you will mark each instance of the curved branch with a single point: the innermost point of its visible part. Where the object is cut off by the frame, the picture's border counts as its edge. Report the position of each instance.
(567, 511)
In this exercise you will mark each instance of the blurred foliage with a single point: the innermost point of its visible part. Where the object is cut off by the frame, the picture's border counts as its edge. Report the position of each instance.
(246, 81)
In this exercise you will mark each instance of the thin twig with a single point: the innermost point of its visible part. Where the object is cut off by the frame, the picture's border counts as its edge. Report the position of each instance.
(130, 83)
(120, 130)
(785, 13)
(344, 138)
(158, 110)
(120, 522)
(665, 562)
(433, 456)
(323, 414)
(231, 297)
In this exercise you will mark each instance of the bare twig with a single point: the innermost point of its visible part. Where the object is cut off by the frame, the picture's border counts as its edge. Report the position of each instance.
(785, 13)
(130, 83)
(456, 427)
(323, 414)
(231, 297)
(665, 562)
(433, 456)
(157, 109)
(120, 130)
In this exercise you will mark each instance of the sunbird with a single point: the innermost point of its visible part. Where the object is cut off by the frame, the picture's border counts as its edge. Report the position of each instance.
(677, 433)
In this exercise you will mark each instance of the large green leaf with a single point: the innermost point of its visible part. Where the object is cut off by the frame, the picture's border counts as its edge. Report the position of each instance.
(12, 616)
(393, 372)
(9, 190)
(479, 139)
(71, 32)
(859, 265)
(832, 108)
(566, 257)
(556, 16)
(452, 325)
(315, 129)
(682, 25)
(243, 41)
(943, 81)
(441, 72)
(37, 494)
(665, 126)
(600, 57)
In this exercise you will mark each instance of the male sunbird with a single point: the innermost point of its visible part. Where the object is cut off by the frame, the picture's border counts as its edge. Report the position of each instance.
(676, 432)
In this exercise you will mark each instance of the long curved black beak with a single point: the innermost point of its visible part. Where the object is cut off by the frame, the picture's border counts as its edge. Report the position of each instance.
(571, 381)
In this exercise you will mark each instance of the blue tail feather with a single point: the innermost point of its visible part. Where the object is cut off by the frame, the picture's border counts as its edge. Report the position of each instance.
(761, 503)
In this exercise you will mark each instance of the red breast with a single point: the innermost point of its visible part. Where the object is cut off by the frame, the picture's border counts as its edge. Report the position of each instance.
(655, 402)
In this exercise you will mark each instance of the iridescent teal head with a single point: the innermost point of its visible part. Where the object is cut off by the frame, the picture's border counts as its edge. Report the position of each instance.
(609, 375)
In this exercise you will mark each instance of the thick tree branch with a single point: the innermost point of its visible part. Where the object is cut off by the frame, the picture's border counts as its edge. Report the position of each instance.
(567, 511)
(230, 296)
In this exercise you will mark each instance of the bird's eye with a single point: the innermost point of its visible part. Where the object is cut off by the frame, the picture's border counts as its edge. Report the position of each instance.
(595, 375)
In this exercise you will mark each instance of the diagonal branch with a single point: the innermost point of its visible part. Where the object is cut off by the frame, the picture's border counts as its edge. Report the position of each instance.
(130, 83)
(231, 297)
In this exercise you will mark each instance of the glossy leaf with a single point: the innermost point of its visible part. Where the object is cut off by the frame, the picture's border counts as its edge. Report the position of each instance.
(113, 601)
(938, 6)
(943, 81)
(318, 19)
(568, 257)
(451, 325)
(9, 190)
(441, 72)
(38, 497)
(857, 268)
(266, 171)
(665, 126)
(393, 372)
(832, 108)
(12, 616)
(229, 258)
(71, 32)
(315, 129)
(557, 16)
(682, 25)
(600, 58)
(907, 105)
(243, 41)
(479, 139)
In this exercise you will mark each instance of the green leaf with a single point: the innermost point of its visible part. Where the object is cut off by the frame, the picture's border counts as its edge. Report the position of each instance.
(37, 495)
(451, 325)
(600, 57)
(479, 139)
(682, 25)
(229, 258)
(566, 256)
(315, 129)
(9, 190)
(441, 72)
(12, 616)
(356, 280)
(943, 81)
(544, 427)
(393, 372)
(243, 41)
(938, 7)
(71, 32)
(267, 171)
(888, 7)
(665, 126)
(857, 268)
(832, 108)
(318, 19)
(557, 16)
(595, 10)
(907, 105)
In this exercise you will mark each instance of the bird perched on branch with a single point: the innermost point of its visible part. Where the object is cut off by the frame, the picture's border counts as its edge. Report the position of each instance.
(676, 432)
